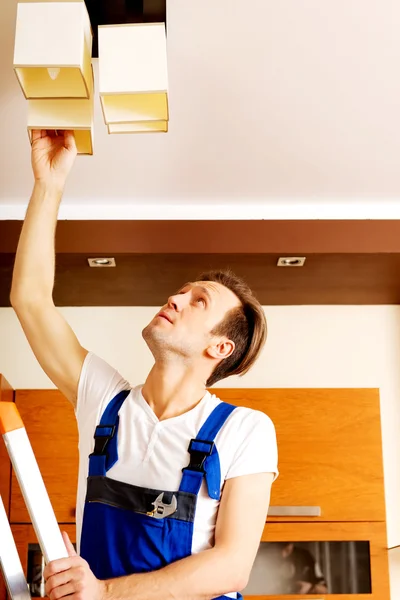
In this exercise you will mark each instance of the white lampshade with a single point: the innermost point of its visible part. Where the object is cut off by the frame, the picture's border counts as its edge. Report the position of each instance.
(133, 79)
(53, 48)
(138, 127)
(75, 115)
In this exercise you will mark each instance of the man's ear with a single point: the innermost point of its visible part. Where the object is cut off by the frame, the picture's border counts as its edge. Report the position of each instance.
(221, 349)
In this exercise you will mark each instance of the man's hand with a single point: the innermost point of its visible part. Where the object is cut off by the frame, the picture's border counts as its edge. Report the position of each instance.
(319, 588)
(72, 577)
(53, 154)
(303, 587)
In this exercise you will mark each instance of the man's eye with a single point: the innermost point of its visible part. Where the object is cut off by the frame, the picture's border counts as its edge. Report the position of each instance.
(201, 300)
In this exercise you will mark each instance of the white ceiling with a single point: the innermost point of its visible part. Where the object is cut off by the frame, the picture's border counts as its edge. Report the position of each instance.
(278, 109)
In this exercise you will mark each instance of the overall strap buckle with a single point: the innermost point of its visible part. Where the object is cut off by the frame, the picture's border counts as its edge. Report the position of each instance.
(102, 437)
(199, 451)
(204, 460)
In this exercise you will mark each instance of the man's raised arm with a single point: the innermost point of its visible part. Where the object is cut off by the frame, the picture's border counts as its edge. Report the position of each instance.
(51, 338)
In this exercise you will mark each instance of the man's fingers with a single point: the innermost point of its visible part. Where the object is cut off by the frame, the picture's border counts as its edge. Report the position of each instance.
(62, 591)
(62, 564)
(58, 580)
(37, 134)
(69, 140)
(64, 137)
(68, 544)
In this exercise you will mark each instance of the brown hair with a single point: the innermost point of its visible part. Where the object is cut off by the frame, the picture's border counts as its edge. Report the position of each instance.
(245, 325)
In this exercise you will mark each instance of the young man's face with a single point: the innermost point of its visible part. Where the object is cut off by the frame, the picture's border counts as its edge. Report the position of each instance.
(184, 324)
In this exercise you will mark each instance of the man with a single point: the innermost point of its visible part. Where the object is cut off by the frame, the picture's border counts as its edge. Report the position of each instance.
(291, 569)
(154, 523)
(306, 575)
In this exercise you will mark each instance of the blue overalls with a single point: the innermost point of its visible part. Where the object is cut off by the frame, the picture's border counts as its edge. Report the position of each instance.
(129, 529)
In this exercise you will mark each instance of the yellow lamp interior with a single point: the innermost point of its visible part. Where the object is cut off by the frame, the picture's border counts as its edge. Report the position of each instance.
(50, 82)
(139, 127)
(124, 108)
(37, 83)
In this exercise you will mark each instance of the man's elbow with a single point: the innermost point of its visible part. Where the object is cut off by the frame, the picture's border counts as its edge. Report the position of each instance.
(25, 303)
(13, 297)
(239, 576)
(18, 303)
(234, 567)
(241, 583)
(18, 299)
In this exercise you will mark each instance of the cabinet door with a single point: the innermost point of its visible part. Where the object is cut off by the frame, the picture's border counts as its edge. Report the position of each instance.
(329, 561)
(27, 545)
(330, 451)
(330, 454)
(51, 426)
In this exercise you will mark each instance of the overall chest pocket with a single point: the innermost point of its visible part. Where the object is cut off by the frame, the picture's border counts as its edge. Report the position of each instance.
(118, 542)
(120, 538)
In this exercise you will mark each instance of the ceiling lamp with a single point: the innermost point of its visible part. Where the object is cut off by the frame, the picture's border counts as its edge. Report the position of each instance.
(102, 262)
(133, 80)
(59, 114)
(291, 261)
(53, 46)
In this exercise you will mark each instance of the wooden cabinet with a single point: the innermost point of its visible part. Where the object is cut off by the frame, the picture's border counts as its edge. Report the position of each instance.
(376, 571)
(330, 450)
(330, 456)
(51, 426)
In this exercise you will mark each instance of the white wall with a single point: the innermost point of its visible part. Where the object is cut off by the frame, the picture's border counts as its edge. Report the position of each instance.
(308, 346)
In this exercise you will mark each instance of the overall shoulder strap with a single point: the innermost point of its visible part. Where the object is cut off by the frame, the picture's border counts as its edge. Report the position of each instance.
(204, 459)
(105, 453)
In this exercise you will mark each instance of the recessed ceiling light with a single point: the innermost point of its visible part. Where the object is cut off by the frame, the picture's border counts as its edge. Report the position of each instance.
(291, 261)
(101, 262)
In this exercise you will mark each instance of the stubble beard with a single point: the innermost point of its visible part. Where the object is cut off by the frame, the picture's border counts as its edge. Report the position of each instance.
(162, 347)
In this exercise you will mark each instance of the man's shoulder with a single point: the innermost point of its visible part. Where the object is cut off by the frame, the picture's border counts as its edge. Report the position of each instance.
(247, 443)
(247, 418)
(99, 383)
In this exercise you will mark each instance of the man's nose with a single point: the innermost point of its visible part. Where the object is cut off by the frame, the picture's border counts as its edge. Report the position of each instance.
(178, 301)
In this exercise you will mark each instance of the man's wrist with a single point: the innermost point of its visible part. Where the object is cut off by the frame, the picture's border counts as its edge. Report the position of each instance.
(105, 593)
(49, 186)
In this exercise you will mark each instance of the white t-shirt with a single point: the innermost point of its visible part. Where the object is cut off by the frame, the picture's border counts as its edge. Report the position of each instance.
(152, 453)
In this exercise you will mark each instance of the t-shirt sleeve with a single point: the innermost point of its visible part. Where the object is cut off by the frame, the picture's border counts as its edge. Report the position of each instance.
(257, 450)
(99, 382)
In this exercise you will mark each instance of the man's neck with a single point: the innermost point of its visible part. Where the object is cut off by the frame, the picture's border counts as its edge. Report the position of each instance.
(172, 389)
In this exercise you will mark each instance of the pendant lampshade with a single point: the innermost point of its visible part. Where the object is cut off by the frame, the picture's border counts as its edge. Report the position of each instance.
(52, 52)
(133, 80)
(65, 114)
